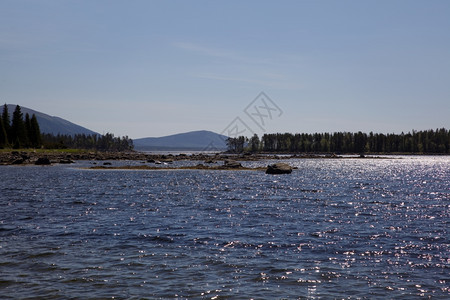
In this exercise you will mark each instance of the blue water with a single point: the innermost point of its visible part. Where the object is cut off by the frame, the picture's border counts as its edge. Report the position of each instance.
(348, 228)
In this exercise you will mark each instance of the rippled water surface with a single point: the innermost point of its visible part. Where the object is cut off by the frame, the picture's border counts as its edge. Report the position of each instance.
(351, 228)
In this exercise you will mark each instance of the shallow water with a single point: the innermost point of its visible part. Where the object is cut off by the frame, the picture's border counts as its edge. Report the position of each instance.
(349, 228)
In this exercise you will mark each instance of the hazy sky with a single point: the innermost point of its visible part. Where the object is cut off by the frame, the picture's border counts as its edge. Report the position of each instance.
(153, 68)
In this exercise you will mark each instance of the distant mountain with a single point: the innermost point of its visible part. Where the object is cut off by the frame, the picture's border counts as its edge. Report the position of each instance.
(53, 125)
(194, 140)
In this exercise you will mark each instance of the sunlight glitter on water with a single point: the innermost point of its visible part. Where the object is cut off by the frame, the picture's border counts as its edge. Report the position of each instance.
(331, 229)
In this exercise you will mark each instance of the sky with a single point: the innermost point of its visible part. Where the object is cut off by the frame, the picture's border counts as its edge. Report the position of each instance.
(155, 68)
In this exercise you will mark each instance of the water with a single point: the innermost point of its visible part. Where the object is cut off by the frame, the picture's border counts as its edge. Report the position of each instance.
(332, 229)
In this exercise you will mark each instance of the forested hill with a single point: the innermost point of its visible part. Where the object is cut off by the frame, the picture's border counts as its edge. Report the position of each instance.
(53, 125)
(19, 130)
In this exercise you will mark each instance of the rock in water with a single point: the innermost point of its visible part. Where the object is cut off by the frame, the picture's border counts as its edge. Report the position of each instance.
(279, 168)
(66, 161)
(42, 161)
(232, 164)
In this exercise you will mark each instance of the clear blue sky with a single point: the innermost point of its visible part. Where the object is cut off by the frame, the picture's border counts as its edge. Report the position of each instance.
(153, 68)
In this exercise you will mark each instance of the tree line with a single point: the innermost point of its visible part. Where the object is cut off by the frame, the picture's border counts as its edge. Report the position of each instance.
(427, 141)
(106, 142)
(19, 132)
(24, 132)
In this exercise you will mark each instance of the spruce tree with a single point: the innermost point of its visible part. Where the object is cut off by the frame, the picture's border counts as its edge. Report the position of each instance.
(35, 133)
(3, 136)
(6, 121)
(28, 130)
(18, 130)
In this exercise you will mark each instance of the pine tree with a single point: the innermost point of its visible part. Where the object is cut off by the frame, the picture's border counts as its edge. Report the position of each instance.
(18, 130)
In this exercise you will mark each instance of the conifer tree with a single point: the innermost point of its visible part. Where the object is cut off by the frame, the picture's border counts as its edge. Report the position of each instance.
(3, 136)
(254, 143)
(35, 133)
(6, 121)
(27, 130)
(18, 130)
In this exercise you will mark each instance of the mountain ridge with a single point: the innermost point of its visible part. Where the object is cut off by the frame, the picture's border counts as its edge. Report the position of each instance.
(52, 124)
(200, 140)
(194, 140)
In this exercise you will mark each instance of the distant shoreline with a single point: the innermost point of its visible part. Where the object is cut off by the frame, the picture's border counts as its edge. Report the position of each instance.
(67, 156)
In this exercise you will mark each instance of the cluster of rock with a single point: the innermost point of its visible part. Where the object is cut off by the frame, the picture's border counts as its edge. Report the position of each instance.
(211, 162)
(42, 158)
(278, 168)
(31, 157)
(231, 164)
(23, 158)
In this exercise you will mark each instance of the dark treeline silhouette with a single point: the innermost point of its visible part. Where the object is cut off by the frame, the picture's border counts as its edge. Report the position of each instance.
(106, 142)
(428, 141)
(20, 132)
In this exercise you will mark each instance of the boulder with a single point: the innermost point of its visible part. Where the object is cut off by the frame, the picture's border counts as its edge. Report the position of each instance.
(42, 161)
(25, 156)
(18, 161)
(66, 161)
(279, 168)
(232, 164)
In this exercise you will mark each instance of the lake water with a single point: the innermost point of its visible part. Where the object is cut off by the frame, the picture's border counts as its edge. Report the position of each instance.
(349, 228)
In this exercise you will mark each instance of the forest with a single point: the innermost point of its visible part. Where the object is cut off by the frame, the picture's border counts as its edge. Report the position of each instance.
(21, 132)
(106, 142)
(417, 142)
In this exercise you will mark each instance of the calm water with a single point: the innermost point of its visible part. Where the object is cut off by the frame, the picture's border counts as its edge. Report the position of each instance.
(331, 229)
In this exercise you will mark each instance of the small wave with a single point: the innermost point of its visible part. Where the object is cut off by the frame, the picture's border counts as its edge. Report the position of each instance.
(7, 228)
(6, 283)
(156, 238)
(42, 254)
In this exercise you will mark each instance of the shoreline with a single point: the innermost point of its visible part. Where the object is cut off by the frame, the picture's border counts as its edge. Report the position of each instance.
(27, 157)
